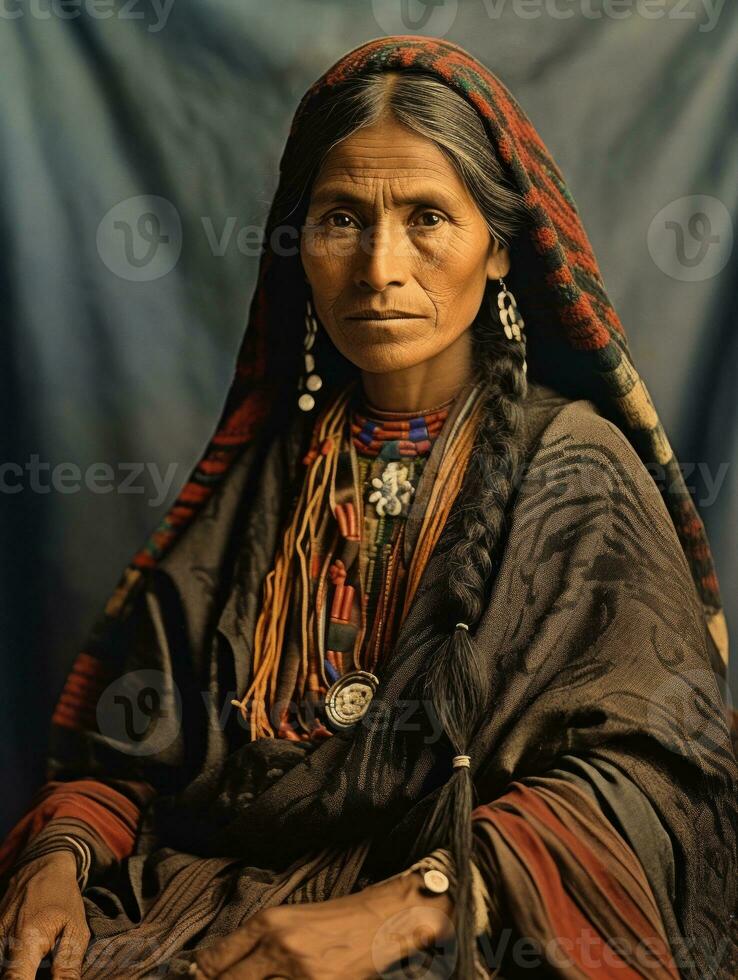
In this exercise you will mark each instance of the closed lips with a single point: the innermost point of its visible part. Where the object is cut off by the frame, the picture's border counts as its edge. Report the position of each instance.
(382, 315)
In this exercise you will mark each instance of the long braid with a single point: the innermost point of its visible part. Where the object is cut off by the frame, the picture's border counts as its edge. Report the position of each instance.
(493, 467)
(452, 682)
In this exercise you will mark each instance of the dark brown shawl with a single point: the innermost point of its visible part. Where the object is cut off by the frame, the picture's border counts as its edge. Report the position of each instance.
(595, 647)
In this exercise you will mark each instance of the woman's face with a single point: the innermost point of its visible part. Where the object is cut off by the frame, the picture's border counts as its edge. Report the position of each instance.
(391, 228)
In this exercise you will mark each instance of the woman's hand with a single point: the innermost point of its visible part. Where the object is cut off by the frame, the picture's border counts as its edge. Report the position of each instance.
(43, 903)
(357, 936)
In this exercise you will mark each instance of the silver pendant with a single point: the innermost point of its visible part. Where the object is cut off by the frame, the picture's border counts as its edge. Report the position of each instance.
(347, 699)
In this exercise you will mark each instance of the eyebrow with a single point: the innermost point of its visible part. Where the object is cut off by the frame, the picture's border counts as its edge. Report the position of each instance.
(331, 194)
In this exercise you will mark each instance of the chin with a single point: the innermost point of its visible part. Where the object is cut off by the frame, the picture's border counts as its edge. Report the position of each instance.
(385, 361)
(384, 355)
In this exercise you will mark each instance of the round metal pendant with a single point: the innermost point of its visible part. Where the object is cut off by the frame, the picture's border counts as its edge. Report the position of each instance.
(348, 698)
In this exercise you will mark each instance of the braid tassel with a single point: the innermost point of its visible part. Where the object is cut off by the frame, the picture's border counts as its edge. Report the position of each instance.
(455, 671)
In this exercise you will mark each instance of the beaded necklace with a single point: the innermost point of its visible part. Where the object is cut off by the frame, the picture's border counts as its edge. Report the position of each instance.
(392, 448)
(338, 589)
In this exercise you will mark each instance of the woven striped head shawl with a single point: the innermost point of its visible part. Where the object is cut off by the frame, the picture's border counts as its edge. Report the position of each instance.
(576, 342)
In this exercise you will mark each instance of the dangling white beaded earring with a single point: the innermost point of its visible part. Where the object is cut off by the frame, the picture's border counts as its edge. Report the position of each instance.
(512, 322)
(309, 381)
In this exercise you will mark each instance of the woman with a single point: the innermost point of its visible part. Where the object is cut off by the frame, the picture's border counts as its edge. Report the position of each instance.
(408, 676)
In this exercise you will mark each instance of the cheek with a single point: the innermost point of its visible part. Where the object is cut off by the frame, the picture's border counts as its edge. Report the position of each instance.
(455, 276)
(327, 269)
(464, 258)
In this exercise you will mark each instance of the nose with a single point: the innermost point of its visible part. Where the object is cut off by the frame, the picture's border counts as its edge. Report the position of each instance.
(379, 262)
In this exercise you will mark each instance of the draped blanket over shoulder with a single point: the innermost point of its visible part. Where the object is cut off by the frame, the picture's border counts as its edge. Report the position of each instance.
(604, 776)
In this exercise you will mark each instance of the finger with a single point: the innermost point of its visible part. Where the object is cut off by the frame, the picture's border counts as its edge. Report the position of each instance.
(68, 958)
(9, 908)
(9, 902)
(5, 928)
(26, 949)
(213, 960)
(5, 901)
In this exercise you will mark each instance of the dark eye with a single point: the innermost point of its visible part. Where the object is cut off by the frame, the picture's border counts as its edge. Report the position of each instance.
(431, 214)
(339, 214)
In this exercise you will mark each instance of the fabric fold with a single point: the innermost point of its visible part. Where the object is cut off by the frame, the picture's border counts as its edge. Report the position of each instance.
(568, 886)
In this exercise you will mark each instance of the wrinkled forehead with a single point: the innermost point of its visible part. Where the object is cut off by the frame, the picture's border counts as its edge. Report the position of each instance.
(388, 150)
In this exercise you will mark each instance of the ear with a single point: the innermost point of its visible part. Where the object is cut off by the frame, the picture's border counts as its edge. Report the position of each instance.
(498, 260)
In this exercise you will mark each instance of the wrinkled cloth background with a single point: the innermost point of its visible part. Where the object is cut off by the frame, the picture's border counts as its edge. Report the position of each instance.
(140, 143)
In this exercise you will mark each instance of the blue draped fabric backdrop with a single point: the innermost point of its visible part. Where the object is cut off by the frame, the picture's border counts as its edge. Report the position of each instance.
(140, 143)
